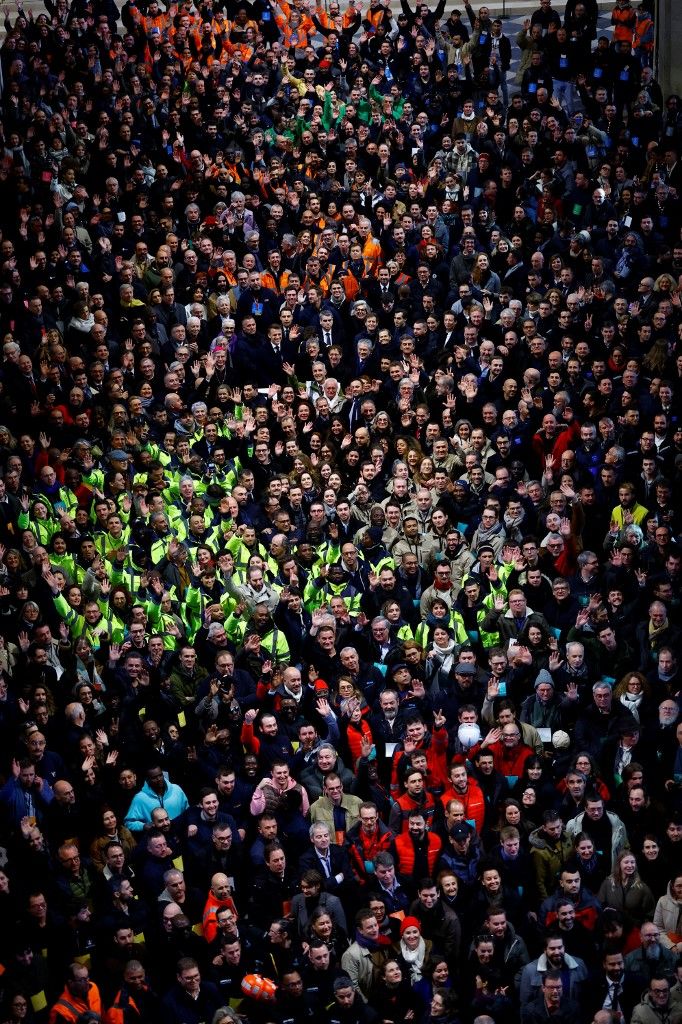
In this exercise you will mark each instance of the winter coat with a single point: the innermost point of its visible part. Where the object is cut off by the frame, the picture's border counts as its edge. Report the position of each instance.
(587, 909)
(362, 850)
(323, 811)
(619, 838)
(646, 1013)
(473, 800)
(533, 973)
(266, 797)
(637, 899)
(668, 918)
(507, 627)
(312, 779)
(548, 860)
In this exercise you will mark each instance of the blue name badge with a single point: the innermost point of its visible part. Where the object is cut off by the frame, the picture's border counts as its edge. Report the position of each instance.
(266, 15)
(532, 88)
(625, 75)
(256, 308)
(598, 72)
(472, 822)
(563, 62)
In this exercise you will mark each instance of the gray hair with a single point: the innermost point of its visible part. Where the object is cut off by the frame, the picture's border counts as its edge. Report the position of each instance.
(316, 827)
(223, 1013)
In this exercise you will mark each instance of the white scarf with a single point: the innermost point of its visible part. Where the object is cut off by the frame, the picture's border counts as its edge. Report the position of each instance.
(447, 654)
(415, 958)
(632, 701)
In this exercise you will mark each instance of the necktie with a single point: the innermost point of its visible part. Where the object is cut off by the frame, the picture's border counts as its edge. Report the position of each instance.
(327, 339)
(615, 992)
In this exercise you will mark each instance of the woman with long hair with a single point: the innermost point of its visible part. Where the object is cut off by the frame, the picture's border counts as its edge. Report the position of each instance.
(654, 868)
(483, 277)
(587, 862)
(634, 693)
(110, 831)
(624, 890)
(393, 997)
(668, 915)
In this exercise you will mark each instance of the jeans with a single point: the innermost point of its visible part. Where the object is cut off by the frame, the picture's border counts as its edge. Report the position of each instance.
(497, 78)
(565, 93)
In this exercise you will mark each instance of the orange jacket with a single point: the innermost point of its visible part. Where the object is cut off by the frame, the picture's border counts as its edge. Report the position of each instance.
(407, 804)
(509, 762)
(473, 800)
(371, 254)
(123, 1010)
(354, 737)
(643, 38)
(162, 21)
(623, 20)
(336, 24)
(209, 919)
(404, 847)
(69, 1008)
(435, 747)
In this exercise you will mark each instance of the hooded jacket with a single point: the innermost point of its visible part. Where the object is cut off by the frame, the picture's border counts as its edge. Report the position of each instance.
(668, 917)
(646, 1013)
(548, 859)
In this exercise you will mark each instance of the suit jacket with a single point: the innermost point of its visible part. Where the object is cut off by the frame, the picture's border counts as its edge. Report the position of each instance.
(629, 996)
(269, 366)
(339, 861)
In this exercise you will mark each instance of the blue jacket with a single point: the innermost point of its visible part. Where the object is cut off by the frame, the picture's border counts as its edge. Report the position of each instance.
(143, 803)
(14, 797)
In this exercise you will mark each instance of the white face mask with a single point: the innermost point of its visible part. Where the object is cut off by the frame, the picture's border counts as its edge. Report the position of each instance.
(468, 735)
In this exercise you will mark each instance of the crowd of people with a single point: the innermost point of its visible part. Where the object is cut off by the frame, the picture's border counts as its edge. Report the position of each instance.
(340, 489)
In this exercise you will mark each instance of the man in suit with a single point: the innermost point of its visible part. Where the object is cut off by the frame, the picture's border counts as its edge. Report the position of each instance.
(611, 988)
(274, 354)
(376, 288)
(331, 860)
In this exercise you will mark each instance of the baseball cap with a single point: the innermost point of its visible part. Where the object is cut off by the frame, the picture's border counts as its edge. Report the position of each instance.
(460, 831)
